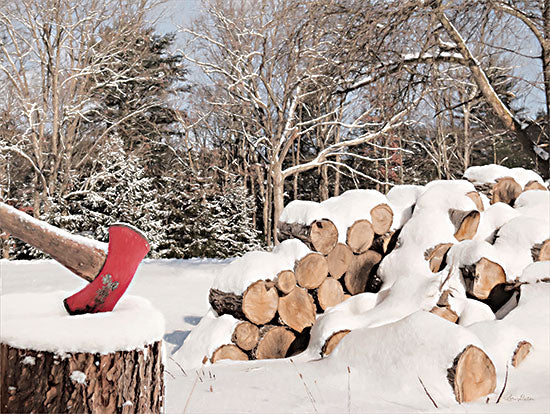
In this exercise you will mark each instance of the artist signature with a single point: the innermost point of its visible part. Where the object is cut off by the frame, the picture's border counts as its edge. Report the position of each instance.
(522, 397)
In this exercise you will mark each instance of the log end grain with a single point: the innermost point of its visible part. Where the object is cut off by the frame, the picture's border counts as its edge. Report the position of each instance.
(311, 271)
(476, 198)
(472, 375)
(381, 218)
(297, 309)
(330, 293)
(359, 236)
(359, 272)
(274, 342)
(246, 336)
(437, 256)
(534, 185)
(323, 236)
(339, 260)
(333, 341)
(229, 351)
(286, 281)
(259, 303)
(522, 350)
(506, 190)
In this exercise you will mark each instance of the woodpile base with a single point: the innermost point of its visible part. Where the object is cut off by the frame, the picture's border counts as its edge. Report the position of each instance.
(120, 382)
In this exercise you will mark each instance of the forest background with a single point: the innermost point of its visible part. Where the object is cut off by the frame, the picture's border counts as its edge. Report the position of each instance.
(200, 135)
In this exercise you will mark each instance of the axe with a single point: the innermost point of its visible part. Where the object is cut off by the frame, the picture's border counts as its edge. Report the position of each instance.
(109, 272)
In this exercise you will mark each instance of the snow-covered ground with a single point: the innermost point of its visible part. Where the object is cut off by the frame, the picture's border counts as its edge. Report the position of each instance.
(378, 372)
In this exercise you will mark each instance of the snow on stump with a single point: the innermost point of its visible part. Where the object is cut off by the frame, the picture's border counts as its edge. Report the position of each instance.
(105, 362)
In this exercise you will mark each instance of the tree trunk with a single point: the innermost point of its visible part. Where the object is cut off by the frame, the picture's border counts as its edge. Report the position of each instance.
(120, 382)
(278, 183)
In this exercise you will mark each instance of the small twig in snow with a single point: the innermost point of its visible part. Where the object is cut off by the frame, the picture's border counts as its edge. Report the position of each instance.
(193, 388)
(349, 390)
(180, 367)
(308, 392)
(504, 386)
(427, 393)
(169, 373)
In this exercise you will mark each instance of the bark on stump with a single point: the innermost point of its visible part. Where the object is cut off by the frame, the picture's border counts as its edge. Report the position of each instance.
(359, 272)
(339, 260)
(230, 352)
(472, 375)
(465, 222)
(359, 236)
(506, 190)
(320, 236)
(121, 382)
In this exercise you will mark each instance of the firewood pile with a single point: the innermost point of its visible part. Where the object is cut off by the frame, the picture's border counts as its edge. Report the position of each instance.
(455, 248)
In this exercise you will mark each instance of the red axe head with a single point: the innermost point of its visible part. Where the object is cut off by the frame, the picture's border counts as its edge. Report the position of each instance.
(127, 247)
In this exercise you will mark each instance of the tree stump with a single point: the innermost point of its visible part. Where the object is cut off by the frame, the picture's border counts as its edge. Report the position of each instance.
(53, 362)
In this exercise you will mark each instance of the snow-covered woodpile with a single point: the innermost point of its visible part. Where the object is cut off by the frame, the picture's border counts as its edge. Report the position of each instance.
(364, 261)
(55, 362)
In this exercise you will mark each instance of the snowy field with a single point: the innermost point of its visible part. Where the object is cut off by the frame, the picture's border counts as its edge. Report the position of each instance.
(353, 380)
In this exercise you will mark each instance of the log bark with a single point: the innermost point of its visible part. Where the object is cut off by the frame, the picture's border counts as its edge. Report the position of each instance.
(333, 341)
(260, 301)
(443, 308)
(522, 350)
(358, 274)
(541, 251)
(274, 342)
(465, 222)
(482, 277)
(226, 303)
(359, 236)
(246, 336)
(437, 256)
(486, 189)
(330, 293)
(120, 382)
(339, 260)
(79, 256)
(311, 271)
(472, 375)
(534, 185)
(381, 218)
(320, 236)
(506, 190)
(286, 281)
(476, 198)
(297, 309)
(230, 352)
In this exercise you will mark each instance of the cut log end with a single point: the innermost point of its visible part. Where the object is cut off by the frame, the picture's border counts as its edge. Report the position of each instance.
(476, 198)
(339, 260)
(259, 303)
(246, 336)
(274, 342)
(297, 309)
(506, 190)
(381, 218)
(323, 236)
(333, 341)
(472, 375)
(330, 293)
(534, 185)
(311, 271)
(286, 281)
(359, 272)
(437, 256)
(541, 251)
(445, 313)
(522, 350)
(359, 236)
(465, 222)
(231, 352)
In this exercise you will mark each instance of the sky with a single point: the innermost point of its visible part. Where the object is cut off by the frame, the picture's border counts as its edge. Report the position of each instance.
(174, 14)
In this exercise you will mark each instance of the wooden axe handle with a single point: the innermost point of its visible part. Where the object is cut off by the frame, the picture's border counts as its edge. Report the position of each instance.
(85, 257)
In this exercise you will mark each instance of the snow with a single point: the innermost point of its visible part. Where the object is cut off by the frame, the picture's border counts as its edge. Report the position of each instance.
(39, 321)
(253, 266)
(534, 203)
(29, 360)
(488, 174)
(303, 212)
(78, 377)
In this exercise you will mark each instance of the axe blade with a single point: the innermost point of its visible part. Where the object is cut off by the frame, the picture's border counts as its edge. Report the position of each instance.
(127, 248)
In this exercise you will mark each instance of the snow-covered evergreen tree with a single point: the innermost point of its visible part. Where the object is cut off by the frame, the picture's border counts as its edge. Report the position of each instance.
(117, 190)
